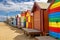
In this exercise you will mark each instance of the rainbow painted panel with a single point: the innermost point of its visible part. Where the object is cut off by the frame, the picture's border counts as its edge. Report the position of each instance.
(54, 29)
(54, 34)
(54, 19)
(55, 5)
(57, 1)
(57, 9)
(54, 24)
(54, 15)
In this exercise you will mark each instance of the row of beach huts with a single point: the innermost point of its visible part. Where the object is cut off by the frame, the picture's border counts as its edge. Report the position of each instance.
(43, 20)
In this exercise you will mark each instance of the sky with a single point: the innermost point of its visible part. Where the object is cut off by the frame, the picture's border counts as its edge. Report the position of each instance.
(14, 7)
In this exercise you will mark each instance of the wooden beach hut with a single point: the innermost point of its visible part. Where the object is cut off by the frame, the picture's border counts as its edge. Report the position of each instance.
(40, 19)
(40, 16)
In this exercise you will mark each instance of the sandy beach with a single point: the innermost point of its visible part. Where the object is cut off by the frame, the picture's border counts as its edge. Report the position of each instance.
(11, 33)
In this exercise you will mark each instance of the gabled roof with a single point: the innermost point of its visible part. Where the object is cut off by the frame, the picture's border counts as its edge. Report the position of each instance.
(43, 5)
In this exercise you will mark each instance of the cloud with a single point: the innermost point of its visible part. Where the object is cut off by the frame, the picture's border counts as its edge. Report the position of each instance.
(41, 1)
(11, 6)
(2, 16)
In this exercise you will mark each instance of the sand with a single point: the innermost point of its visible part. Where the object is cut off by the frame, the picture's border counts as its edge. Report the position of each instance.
(11, 33)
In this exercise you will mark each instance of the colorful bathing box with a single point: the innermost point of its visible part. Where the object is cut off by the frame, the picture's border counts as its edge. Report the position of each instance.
(54, 19)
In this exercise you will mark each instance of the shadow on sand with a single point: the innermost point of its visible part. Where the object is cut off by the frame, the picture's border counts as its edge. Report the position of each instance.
(22, 36)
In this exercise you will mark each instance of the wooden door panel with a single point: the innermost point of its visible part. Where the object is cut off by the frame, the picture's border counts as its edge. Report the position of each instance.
(37, 20)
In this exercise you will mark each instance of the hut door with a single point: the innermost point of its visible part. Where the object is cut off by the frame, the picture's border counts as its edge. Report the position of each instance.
(37, 20)
(45, 22)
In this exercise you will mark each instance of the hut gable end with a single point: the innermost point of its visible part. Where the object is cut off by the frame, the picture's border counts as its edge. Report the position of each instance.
(40, 5)
(35, 7)
(43, 5)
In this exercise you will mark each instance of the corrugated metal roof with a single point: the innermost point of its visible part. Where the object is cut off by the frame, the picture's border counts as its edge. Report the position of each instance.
(43, 5)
